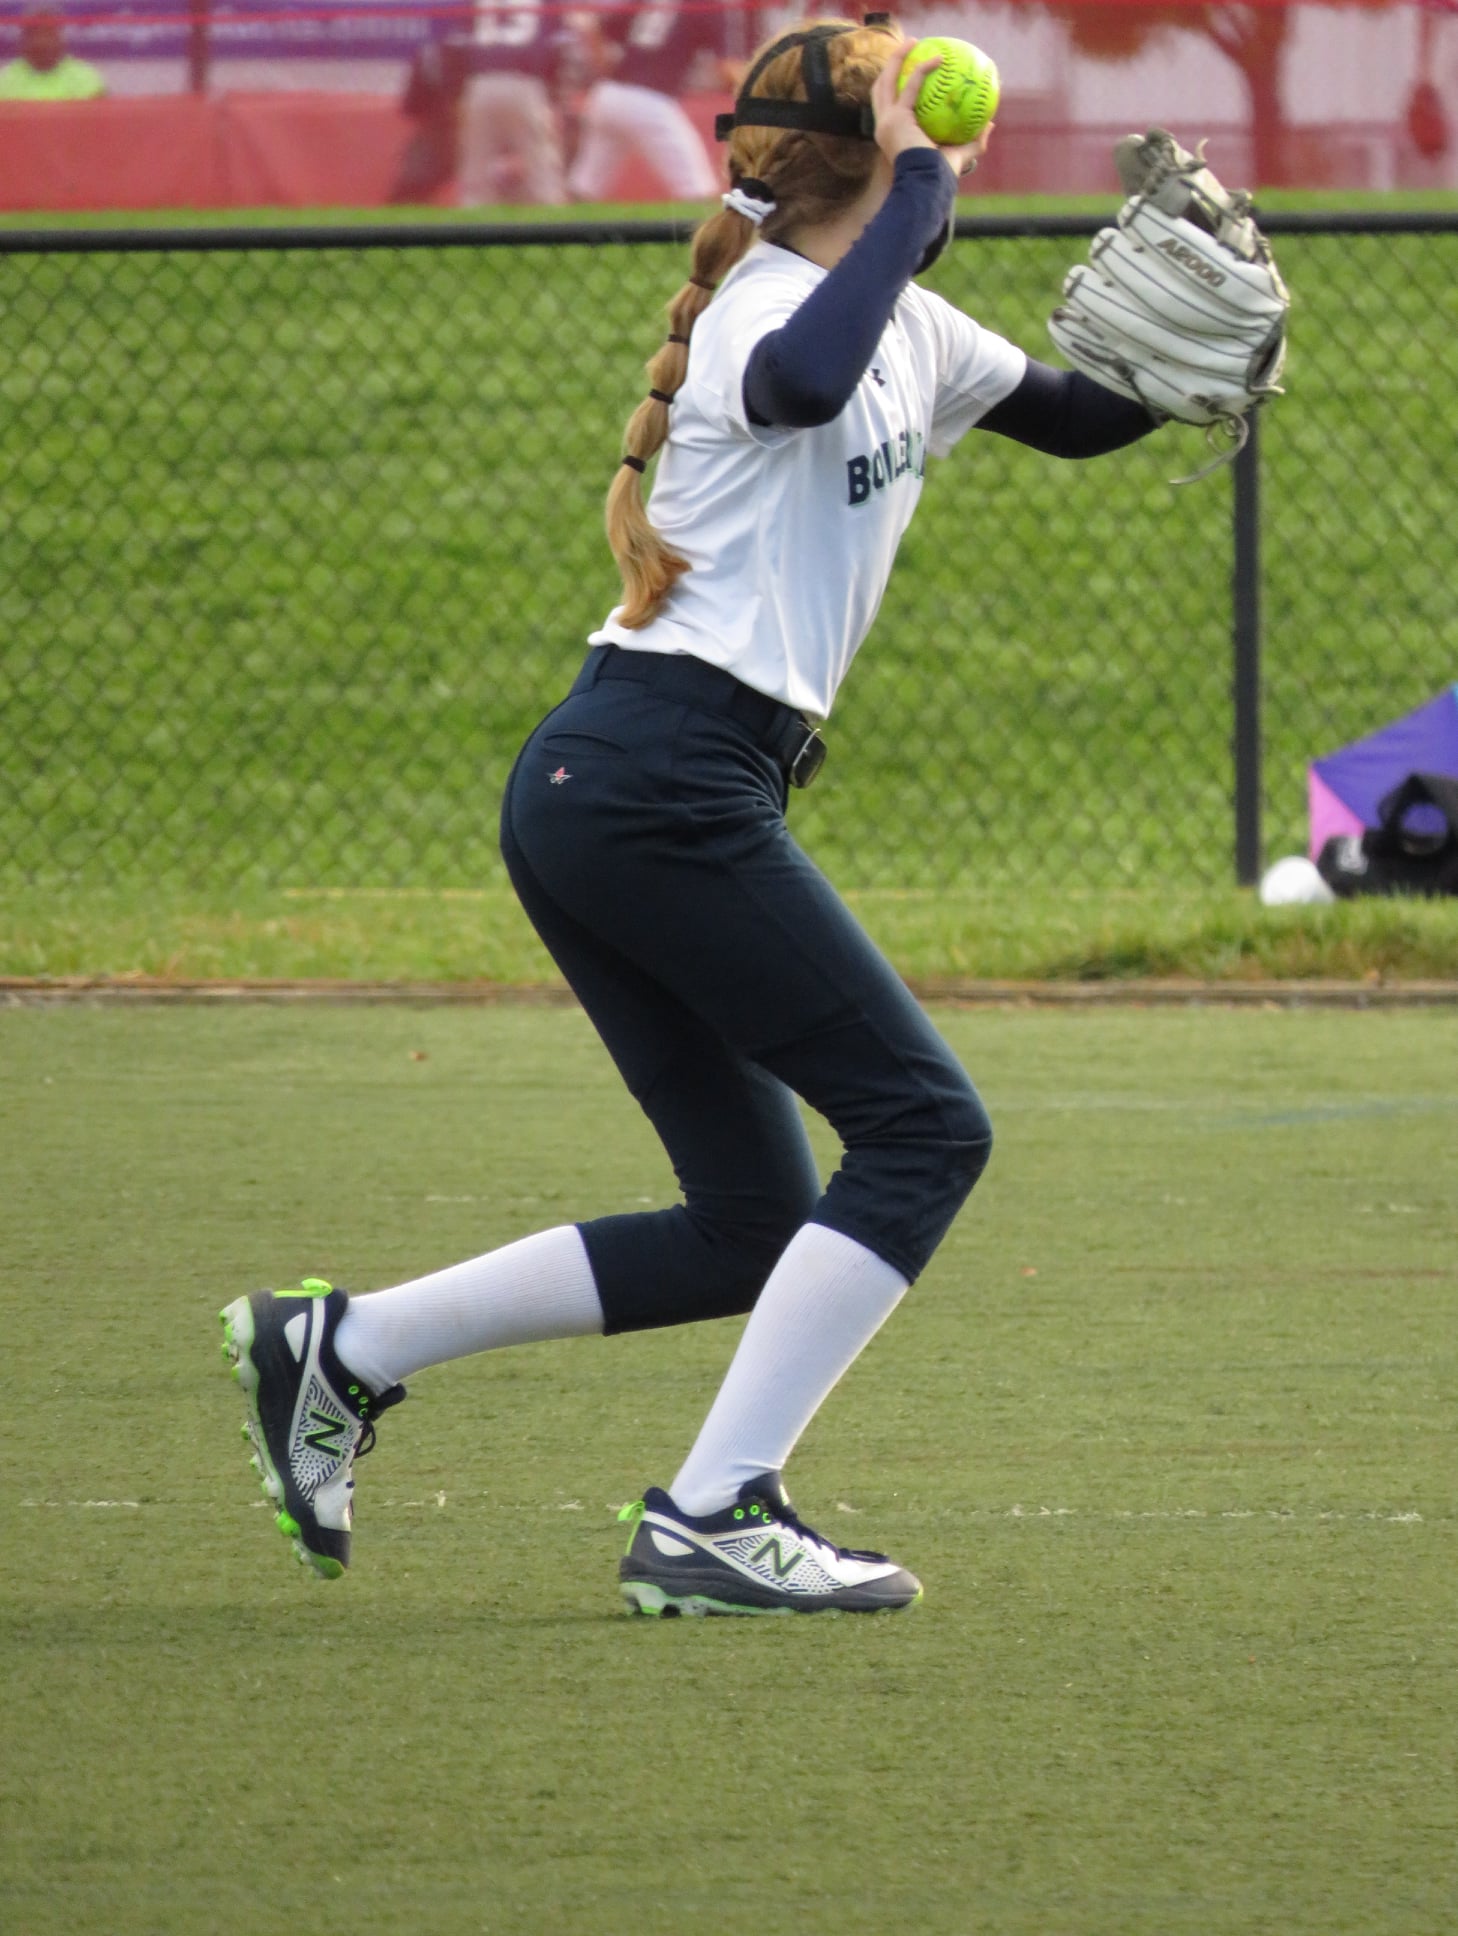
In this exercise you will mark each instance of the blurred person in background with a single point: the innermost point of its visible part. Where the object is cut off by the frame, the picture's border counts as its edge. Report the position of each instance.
(431, 102)
(43, 70)
(487, 110)
(432, 105)
(1426, 123)
(644, 58)
(511, 130)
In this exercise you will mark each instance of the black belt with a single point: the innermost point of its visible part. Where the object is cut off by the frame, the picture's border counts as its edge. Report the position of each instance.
(786, 735)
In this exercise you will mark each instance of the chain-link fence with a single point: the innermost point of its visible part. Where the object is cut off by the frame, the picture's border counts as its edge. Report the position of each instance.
(302, 530)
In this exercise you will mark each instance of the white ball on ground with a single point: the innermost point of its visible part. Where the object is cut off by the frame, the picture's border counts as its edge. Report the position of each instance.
(1293, 880)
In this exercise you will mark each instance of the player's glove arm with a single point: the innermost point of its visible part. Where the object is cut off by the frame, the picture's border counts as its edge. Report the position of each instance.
(805, 372)
(1064, 413)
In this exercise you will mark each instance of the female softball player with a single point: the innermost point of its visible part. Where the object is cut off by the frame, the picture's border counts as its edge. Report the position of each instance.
(804, 383)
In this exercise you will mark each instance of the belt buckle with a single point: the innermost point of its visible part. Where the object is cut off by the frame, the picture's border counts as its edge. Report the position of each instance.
(809, 760)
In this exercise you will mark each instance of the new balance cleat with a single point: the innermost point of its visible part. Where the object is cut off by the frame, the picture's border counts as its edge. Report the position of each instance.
(309, 1418)
(754, 1557)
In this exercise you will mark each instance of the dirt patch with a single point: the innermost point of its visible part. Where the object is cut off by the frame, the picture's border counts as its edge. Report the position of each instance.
(20, 989)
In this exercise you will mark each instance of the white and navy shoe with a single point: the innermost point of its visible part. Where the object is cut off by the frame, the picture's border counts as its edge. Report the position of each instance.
(753, 1557)
(308, 1418)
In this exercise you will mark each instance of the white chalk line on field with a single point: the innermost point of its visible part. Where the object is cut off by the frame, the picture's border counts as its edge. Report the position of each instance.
(1195, 1512)
(89, 1505)
(437, 1502)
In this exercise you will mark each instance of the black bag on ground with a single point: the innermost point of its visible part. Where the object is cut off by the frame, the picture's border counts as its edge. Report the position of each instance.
(1407, 852)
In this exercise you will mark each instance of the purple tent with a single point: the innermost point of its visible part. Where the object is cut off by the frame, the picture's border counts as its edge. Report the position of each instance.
(1343, 789)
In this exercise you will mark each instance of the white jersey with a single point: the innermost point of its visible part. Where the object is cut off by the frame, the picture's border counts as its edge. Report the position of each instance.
(791, 534)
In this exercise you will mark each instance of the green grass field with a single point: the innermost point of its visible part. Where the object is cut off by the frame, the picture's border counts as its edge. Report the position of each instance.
(950, 937)
(301, 542)
(1167, 1430)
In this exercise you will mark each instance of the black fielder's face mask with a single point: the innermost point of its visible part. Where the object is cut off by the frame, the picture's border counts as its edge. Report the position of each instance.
(821, 112)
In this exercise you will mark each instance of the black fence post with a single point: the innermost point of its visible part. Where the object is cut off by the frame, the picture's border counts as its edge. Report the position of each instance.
(1246, 667)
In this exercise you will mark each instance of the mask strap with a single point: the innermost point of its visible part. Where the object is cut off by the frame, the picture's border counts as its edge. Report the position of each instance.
(822, 112)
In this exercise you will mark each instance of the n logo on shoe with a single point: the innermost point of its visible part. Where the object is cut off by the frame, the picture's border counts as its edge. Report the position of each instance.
(773, 1553)
(325, 1434)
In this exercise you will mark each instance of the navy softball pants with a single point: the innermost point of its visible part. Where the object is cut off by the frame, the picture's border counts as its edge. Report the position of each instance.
(643, 828)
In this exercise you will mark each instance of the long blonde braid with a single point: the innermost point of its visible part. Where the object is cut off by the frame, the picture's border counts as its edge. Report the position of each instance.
(810, 177)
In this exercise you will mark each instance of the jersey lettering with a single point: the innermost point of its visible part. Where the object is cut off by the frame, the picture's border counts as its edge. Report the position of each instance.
(901, 456)
(516, 24)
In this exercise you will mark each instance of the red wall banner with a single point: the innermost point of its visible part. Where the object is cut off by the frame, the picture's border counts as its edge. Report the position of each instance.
(180, 151)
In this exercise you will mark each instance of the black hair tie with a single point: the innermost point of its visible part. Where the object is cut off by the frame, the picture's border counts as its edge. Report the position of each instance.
(635, 463)
(661, 396)
(674, 337)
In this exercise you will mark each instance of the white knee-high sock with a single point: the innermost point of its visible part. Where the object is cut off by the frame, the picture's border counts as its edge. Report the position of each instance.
(822, 1304)
(541, 1287)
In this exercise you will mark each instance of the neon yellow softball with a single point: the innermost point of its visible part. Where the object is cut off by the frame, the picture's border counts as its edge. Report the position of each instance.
(959, 97)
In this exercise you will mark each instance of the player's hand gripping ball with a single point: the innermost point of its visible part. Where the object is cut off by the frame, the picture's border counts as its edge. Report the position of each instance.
(959, 97)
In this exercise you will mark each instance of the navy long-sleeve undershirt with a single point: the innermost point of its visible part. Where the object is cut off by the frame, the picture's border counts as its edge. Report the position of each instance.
(805, 372)
(1066, 414)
